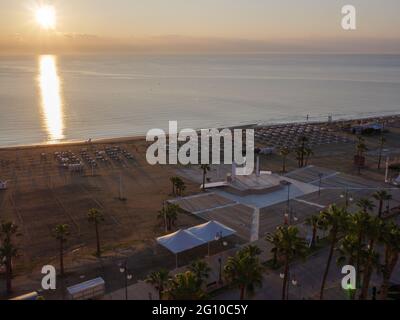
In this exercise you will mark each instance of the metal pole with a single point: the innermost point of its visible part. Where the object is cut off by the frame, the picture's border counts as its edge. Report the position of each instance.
(319, 186)
(120, 186)
(165, 218)
(387, 170)
(220, 270)
(126, 283)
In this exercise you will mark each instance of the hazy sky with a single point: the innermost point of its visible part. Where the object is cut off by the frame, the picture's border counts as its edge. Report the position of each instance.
(282, 24)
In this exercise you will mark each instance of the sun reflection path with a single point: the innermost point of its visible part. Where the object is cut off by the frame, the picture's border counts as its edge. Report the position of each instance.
(51, 98)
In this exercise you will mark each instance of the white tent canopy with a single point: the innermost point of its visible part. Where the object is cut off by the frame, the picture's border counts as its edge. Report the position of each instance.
(211, 231)
(180, 241)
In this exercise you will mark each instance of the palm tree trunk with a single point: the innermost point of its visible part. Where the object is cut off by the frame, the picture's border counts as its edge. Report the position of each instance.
(98, 240)
(61, 258)
(314, 236)
(388, 274)
(359, 244)
(9, 275)
(380, 158)
(368, 273)
(242, 291)
(284, 165)
(384, 287)
(285, 279)
(328, 265)
(380, 208)
(365, 284)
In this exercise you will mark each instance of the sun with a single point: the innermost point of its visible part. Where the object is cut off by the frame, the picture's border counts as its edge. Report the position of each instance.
(46, 17)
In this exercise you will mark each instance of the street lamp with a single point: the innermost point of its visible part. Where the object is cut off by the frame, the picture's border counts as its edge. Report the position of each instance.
(287, 213)
(347, 196)
(127, 276)
(320, 175)
(218, 237)
(291, 280)
(220, 271)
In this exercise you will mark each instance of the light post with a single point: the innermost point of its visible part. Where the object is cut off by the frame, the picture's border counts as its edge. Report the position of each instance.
(320, 175)
(220, 271)
(290, 217)
(127, 276)
(288, 184)
(291, 280)
(218, 237)
(347, 196)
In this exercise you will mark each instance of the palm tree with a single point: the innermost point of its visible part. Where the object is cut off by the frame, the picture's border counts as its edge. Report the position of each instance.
(361, 148)
(313, 222)
(96, 217)
(290, 246)
(8, 230)
(205, 168)
(61, 232)
(173, 183)
(284, 152)
(381, 196)
(390, 237)
(274, 240)
(158, 279)
(201, 270)
(244, 271)
(358, 226)
(169, 214)
(7, 253)
(348, 254)
(334, 220)
(308, 152)
(301, 150)
(381, 145)
(374, 228)
(252, 250)
(365, 205)
(185, 286)
(180, 186)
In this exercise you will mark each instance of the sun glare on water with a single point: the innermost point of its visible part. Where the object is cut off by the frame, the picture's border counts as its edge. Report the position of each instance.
(46, 17)
(52, 104)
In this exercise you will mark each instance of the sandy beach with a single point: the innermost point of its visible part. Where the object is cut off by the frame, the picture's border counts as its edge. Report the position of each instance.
(42, 194)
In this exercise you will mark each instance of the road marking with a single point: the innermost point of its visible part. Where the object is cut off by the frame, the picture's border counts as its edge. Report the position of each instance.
(310, 203)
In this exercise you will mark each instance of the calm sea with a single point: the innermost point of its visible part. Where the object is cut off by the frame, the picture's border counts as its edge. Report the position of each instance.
(45, 99)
